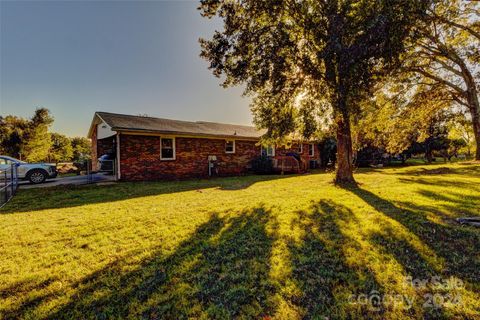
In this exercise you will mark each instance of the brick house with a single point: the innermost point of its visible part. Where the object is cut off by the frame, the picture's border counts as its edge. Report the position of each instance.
(146, 148)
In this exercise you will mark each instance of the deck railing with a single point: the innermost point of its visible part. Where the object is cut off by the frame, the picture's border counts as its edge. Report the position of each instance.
(289, 164)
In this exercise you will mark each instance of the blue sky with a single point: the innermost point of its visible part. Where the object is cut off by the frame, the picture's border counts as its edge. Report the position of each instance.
(134, 57)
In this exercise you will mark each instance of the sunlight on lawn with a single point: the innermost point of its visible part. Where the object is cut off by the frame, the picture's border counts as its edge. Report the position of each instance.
(258, 246)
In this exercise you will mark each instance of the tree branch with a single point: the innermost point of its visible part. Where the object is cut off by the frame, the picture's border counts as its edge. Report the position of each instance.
(438, 79)
(449, 68)
(459, 101)
(457, 25)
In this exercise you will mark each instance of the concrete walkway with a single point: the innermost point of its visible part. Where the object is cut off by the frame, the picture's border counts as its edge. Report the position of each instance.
(70, 180)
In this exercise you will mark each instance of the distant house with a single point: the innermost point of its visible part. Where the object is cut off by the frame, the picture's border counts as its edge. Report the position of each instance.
(146, 148)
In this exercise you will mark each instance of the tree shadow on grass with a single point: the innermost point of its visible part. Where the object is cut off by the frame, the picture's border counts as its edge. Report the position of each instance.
(69, 196)
(221, 271)
(418, 271)
(31, 288)
(443, 182)
(319, 269)
(413, 263)
(457, 246)
(336, 262)
(456, 203)
(414, 170)
(472, 170)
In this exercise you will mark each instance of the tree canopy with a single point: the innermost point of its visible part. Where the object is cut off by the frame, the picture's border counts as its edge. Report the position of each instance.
(61, 149)
(37, 138)
(306, 61)
(31, 140)
(446, 55)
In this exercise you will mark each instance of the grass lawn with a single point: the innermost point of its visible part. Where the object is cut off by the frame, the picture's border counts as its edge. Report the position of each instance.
(282, 247)
(71, 174)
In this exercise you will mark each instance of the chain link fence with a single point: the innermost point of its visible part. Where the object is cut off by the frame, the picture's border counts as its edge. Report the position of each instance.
(82, 174)
(8, 183)
(105, 171)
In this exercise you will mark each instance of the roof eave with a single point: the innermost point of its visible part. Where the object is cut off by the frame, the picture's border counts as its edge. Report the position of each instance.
(97, 119)
(182, 133)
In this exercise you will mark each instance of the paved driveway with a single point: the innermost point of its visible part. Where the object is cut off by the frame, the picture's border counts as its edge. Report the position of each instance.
(75, 180)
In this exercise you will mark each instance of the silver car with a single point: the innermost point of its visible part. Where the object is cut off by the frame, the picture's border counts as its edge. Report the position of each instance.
(33, 172)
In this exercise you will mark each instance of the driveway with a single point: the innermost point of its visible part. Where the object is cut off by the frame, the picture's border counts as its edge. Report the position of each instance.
(70, 180)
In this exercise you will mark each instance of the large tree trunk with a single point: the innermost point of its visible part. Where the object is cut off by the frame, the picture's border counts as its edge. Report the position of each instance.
(476, 131)
(344, 173)
(474, 107)
(473, 104)
(428, 151)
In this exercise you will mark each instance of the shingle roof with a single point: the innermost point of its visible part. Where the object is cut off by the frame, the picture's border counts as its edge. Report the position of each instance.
(120, 122)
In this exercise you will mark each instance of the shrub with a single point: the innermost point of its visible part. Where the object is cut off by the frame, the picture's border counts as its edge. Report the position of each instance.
(262, 165)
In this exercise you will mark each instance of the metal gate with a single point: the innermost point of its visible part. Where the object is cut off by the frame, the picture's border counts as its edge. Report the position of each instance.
(8, 183)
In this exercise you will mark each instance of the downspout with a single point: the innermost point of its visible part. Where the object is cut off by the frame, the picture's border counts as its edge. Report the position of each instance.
(118, 156)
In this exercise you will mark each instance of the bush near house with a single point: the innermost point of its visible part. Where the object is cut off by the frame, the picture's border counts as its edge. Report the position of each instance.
(286, 247)
(262, 165)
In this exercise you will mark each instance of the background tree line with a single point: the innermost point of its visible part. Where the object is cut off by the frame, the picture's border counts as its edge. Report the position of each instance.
(31, 140)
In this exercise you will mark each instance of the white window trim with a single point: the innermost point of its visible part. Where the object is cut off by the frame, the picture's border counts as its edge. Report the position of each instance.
(313, 150)
(266, 149)
(301, 148)
(174, 149)
(233, 146)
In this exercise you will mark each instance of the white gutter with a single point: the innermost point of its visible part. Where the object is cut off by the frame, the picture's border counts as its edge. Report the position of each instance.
(118, 156)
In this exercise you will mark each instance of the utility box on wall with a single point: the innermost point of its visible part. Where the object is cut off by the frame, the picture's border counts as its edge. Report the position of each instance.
(212, 166)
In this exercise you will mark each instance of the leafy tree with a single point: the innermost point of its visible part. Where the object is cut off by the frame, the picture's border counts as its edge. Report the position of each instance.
(37, 141)
(327, 147)
(12, 131)
(454, 146)
(435, 137)
(61, 149)
(31, 139)
(460, 129)
(81, 148)
(3, 133)
(446, 56)
(308, 58)
(399, 125)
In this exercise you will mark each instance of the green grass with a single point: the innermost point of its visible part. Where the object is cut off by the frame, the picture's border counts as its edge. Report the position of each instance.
(285, 247)
(70, 174)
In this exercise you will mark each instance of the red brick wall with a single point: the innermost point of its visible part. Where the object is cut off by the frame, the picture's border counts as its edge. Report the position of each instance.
(140, 157)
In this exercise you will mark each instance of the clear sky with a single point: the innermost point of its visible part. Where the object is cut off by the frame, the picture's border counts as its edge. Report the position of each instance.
(133, 57)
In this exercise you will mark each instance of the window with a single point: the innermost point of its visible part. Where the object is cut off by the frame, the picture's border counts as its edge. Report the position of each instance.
(4, 161)
(300, 148)
(311, 149)
(230, 146)
(167, 148)
(268, 151)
